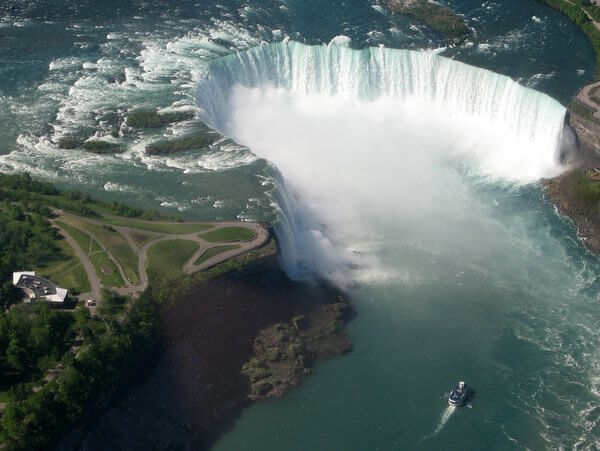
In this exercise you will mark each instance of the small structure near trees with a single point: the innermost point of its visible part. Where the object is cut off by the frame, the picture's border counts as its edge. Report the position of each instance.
(38, 288)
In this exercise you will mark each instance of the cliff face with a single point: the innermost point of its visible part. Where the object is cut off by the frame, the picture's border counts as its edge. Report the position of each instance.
(576, 193)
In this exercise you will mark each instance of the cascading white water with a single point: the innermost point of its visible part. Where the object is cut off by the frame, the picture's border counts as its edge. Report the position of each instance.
(444, 113)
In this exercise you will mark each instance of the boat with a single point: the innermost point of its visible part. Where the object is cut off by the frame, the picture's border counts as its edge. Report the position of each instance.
(459, 394)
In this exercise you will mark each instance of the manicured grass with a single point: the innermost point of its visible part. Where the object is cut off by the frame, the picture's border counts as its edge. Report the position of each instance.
(116, 244)
(214, 251)
(67, 271)
(81, 238)
(74, 279)
(4, 396)
(100, 260)
(95, 246)
(64, 262)
(229, 234)
(141, 238)
(159, 227)
(166, 258)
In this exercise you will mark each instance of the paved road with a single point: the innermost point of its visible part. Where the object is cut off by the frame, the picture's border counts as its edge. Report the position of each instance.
(585, 97)
(95, 283)
(262, 236)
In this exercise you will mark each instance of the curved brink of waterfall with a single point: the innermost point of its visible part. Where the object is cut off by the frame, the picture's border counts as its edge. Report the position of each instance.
(455, 88)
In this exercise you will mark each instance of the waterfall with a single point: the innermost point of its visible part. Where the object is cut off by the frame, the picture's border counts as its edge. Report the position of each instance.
(372, 73)
(526, 122)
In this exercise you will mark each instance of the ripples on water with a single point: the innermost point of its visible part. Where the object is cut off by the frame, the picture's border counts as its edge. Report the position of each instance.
(533, 302)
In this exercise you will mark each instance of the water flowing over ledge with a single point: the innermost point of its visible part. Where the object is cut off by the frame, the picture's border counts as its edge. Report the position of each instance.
(507, 131)
(380, 72)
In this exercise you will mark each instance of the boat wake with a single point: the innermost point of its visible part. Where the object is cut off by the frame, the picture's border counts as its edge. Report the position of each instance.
(444, 417)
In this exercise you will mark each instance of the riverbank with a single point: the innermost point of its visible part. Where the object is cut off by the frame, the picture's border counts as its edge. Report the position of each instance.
(198, 382)
(576, 193)
(585, 17)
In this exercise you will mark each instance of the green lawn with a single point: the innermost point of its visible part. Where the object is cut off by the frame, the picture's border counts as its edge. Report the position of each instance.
(67, 259)
(67, 270)
(155, 226)
(4, 396)
(95, 246)
(229, 234)
(111, 277)
(116, 244)
(214, 251)
(166, 258)
(75, 279)
(141, 238)
(81, 238)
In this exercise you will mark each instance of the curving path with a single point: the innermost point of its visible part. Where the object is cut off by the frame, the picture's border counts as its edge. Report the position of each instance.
(261, 237)
(95, 282)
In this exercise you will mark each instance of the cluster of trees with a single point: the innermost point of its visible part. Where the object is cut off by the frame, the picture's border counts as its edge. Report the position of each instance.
(37, 195)
(33, 339)
(39, 420)
(26, 240)
(192, 141)
(438, 17)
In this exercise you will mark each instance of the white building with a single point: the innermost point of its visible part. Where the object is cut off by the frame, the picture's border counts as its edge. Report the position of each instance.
(38, 288)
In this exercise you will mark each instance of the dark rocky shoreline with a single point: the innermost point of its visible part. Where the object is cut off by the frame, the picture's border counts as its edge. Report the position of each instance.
(563, 191)
(199, 380)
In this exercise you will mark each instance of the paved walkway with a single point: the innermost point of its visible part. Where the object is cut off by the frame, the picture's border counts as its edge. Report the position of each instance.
(261, 237)
(585, 97)
(95, 282)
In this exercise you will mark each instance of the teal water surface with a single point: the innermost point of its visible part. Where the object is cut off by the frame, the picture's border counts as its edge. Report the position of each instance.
(511, 306)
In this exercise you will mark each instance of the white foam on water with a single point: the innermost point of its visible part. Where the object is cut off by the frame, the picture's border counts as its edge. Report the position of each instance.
(443, 419)
(381, 121)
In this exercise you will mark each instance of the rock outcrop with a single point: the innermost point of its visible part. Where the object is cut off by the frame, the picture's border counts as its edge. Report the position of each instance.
(285, 352)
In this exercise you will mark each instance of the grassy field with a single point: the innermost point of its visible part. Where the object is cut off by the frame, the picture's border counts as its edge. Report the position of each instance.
(111, 277)
(214, 251)
(160, 227)
(95, 246)
(141, 238)
(75, 279)
(229, 234)
(66, 271)
(117, 245)
(66, 260)
(81, 238)
(166, 258)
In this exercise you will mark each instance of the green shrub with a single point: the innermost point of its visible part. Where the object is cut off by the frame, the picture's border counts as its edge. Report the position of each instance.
(586, 191)
(102, 147)
(152, 119)
(192, 141)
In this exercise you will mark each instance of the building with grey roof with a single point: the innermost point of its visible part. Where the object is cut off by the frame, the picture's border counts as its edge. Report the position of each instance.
(38, 288)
